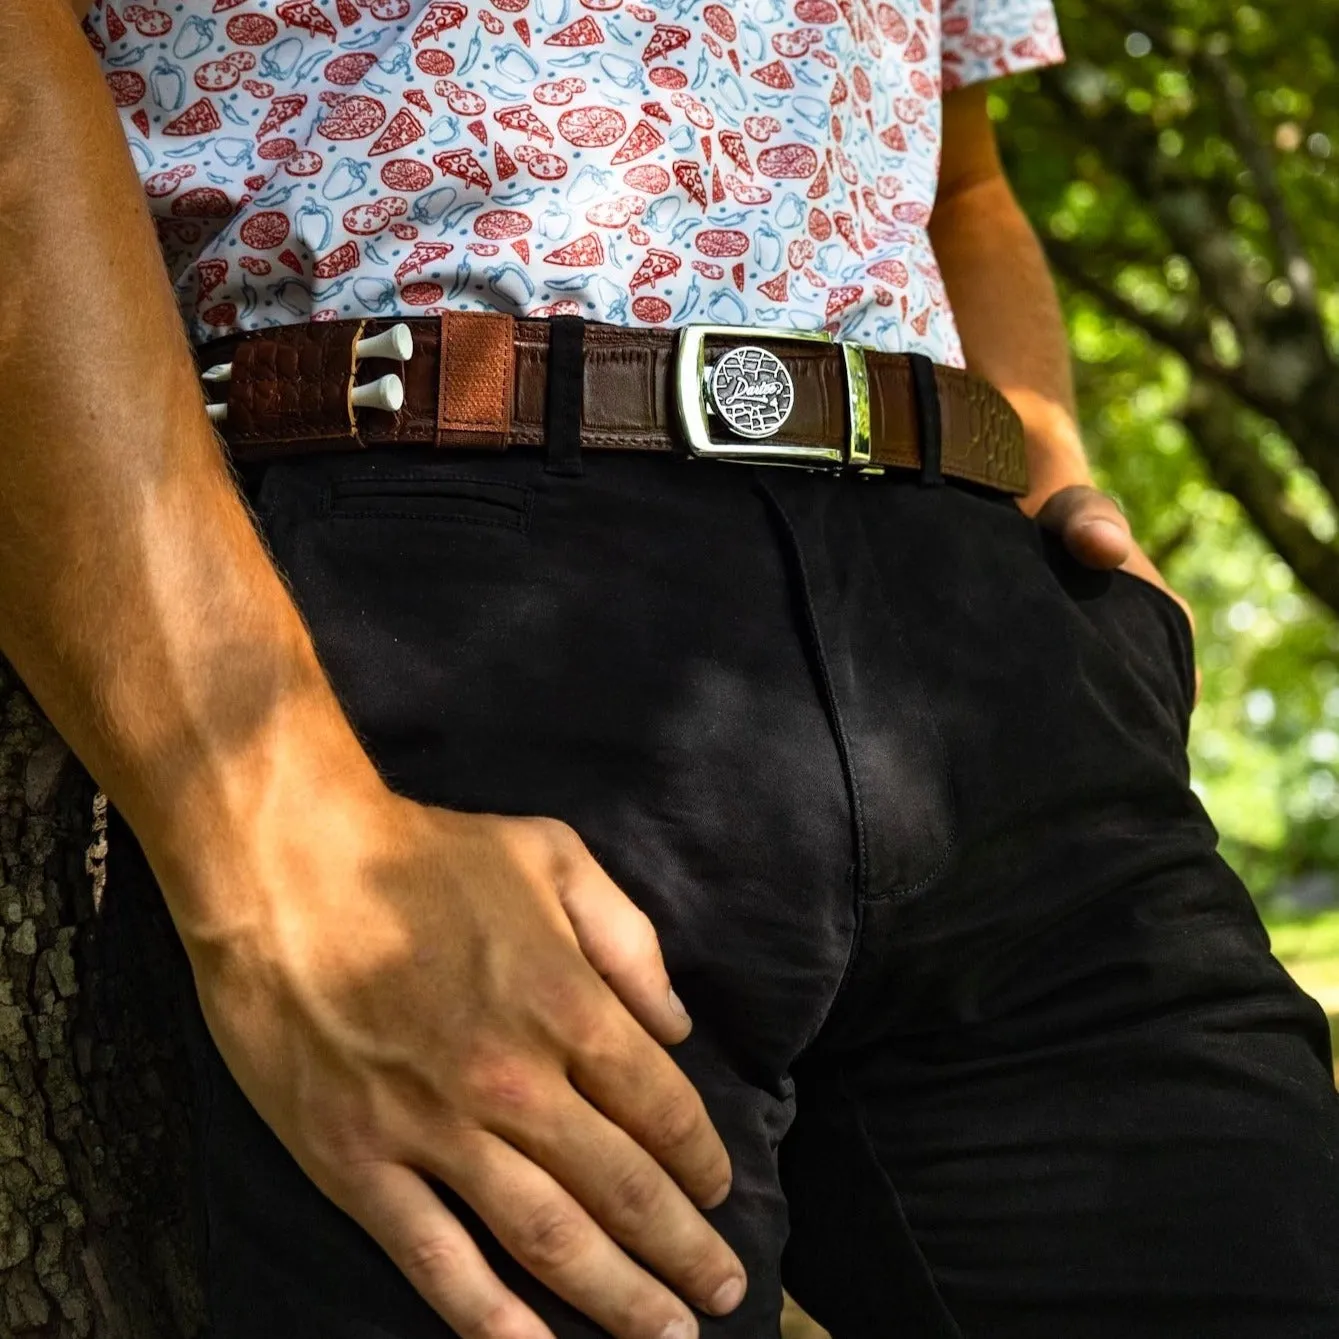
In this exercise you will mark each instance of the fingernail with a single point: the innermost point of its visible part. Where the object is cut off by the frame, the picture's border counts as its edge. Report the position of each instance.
(679, 1329)
(676, 1006)
(727, 1296)
(1102, 523)
(720, 1196)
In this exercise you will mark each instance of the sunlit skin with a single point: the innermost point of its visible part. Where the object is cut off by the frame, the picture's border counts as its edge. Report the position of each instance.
(398, 989)
(1013, 335)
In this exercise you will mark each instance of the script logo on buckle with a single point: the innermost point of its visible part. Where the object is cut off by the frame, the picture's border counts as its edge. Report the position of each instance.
(751, 391)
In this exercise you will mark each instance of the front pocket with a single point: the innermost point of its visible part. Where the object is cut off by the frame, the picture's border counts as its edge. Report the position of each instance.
(1173, 619)
(1140, 622)
(416, 497)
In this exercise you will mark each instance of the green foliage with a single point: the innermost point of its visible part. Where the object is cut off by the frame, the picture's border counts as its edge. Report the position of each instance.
(1103, 155)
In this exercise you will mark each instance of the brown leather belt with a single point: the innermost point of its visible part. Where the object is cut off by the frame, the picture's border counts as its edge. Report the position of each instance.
(480, 380)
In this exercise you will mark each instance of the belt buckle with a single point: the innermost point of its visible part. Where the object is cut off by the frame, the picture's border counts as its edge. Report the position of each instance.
(749, 388)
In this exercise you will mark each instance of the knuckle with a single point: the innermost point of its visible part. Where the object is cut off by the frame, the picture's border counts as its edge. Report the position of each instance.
(548, 1238)
(640, 938)
(676, 1123)
(499, 1085)
(505, 1320)
(562, 839)
(704, 1271)
(431, 1265)
(337, 1136)
(565, 997)
(648, 1310)
(585, 1028)
(635, 1196)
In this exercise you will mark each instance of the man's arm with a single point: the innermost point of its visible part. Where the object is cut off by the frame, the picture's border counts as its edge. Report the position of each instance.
(140, 608)
(1013, 335)
(1003, 296)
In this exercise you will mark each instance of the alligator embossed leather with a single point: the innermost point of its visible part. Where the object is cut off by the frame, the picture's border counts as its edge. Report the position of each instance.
(479, 380)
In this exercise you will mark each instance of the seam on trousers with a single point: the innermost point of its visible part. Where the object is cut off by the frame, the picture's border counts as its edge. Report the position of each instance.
(952, 1330)
(896, 891)
(859, 868)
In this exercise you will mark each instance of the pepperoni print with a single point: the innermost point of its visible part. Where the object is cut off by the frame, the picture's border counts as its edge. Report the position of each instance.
(406, 174)
(282, 110)
(788, 160)
(559, 92)
(439, 17)
(721, 242)
(648, 177)
(251, 29)
(498, 224)
(665, 37)
(769, 165)
(354, 117)
(591, 127)
(524, 120)
(265, 231)
(204, 202)
(210, 274)
(586, 250)
(199, 118)
(423, 255)
(584, 32)
(643, 139)
(127, 87)
(651, 311)
(403, 130)
(666, 76)
(165, 183)
(349, 70)
(304, 163)
(656, 265)
(422, 294)
(275, 151)
(340, 261)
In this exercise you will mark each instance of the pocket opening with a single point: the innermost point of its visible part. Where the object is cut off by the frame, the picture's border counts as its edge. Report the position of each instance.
(418, 497)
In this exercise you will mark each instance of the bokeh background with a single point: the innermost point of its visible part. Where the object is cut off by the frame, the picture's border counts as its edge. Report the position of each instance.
(1182, 170)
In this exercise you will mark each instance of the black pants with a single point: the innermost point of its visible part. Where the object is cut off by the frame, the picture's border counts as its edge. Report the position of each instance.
(992, 1034)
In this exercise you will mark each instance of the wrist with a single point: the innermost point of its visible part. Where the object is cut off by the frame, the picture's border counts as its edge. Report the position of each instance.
(222, 829)
(1054, 448)
(1055, 461)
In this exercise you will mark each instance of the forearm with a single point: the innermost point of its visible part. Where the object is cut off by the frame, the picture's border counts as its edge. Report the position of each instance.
(1009, 319)
(135, 598)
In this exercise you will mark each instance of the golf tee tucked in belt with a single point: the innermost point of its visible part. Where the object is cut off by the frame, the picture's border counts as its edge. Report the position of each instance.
(477, 380)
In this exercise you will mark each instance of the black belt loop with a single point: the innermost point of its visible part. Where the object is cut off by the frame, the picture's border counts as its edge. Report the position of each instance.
(563, 403)
(929, 426)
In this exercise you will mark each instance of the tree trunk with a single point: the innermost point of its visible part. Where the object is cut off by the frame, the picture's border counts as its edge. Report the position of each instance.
(97, 1236)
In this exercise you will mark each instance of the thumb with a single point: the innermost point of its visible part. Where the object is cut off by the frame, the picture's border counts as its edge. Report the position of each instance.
(620, 942)
(1089, 523)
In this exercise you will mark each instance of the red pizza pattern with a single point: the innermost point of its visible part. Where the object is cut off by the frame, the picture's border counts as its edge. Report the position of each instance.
(769, 164)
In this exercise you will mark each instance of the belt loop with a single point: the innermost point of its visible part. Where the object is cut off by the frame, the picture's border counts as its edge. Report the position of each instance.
(564, 395)
(929, 428)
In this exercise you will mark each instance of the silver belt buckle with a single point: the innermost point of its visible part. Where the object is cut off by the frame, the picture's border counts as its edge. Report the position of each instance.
(749, 390)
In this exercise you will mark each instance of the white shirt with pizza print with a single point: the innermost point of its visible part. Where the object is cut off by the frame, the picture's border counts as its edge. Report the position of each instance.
(770, 162)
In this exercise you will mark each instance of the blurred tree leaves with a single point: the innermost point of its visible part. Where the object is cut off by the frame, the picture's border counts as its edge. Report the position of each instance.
(1183, 171)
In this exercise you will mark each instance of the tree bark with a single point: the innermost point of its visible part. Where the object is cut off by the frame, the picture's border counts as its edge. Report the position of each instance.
(97, 1233)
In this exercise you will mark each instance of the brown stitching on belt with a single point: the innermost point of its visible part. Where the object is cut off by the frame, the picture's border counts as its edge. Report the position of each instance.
(477, 367)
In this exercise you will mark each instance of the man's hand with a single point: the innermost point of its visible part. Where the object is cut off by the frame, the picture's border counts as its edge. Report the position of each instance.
(403, 993)
(1095, 531)
(446, 999)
